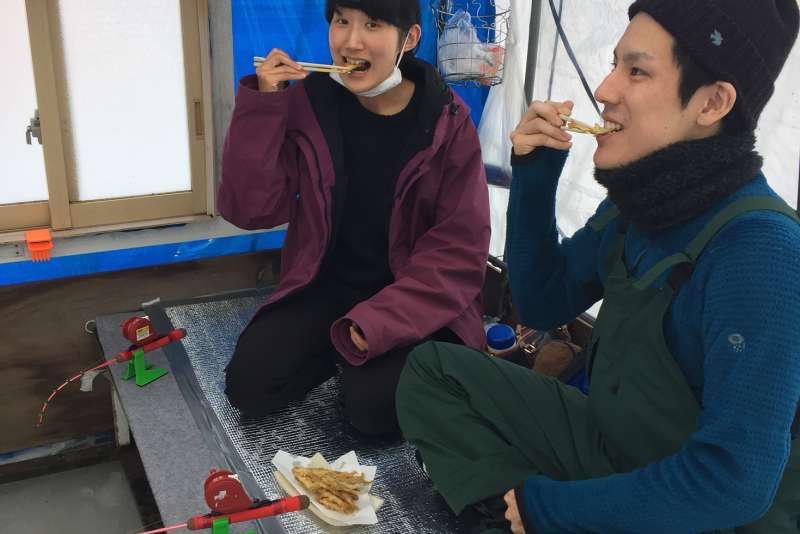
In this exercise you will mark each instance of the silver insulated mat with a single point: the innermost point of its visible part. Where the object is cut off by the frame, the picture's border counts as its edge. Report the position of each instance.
(305, 427)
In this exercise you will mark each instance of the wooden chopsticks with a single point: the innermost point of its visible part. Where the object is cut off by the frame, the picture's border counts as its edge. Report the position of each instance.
(313, 67)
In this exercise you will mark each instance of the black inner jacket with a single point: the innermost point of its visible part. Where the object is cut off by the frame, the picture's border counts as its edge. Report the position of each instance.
(368, 153)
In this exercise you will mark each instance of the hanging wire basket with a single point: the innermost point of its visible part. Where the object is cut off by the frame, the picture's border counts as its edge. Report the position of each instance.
(471, 41)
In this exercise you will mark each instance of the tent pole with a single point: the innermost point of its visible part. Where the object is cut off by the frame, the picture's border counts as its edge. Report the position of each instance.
(533, 48)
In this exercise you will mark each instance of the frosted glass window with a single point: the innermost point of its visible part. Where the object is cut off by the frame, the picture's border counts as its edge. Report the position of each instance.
(22, 178)
(126, 95)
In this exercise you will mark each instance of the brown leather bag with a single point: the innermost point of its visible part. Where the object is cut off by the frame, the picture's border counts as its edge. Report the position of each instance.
(550, 353)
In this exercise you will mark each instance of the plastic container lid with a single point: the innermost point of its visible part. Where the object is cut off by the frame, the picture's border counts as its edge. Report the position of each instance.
(501, 337)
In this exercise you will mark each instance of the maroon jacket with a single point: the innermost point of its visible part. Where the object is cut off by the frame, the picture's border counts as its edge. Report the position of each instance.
(278, 167)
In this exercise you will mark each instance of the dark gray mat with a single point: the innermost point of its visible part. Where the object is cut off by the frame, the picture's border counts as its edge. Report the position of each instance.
(313, 425)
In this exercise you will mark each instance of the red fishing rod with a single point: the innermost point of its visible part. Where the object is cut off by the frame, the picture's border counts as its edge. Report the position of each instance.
(228, 500)
(145, 339)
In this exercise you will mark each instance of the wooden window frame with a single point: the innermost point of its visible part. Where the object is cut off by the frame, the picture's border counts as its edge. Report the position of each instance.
(62, 214)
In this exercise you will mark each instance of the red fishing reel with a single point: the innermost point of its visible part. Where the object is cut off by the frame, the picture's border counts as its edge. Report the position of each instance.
(224, 493)
(139, 330)
(230, 504)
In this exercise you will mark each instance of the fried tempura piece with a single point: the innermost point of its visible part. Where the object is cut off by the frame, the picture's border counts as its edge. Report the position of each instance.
(334, 490)
(574, 125)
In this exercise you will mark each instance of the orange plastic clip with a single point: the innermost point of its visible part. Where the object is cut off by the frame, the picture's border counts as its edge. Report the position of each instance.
(40, 242)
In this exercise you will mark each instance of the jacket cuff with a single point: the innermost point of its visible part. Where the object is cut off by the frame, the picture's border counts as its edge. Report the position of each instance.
(523, 160)
(249, 82)
(527, 520)
(249, 95)
(340, 337)
(534, 154)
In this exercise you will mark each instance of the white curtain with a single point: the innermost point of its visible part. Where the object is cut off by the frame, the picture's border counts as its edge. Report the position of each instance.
(504, 108)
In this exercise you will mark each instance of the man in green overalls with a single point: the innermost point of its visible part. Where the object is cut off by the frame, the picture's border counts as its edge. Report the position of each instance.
(694, 363)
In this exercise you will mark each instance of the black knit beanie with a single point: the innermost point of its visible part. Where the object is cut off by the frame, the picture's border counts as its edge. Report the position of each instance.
(744, 42)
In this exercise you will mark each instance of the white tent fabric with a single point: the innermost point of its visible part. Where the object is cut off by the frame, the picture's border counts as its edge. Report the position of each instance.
(504, 109)
(594, 29)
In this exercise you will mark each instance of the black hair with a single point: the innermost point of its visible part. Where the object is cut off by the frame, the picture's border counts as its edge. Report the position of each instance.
(693, 77)
(400, 13)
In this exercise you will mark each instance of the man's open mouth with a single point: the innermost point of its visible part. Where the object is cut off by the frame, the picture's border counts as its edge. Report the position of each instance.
(612, 127)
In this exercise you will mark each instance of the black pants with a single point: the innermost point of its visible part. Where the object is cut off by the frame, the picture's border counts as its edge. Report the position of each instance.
(287, 350)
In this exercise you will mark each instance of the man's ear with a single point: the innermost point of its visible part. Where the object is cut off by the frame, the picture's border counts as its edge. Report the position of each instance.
(414, 36)
(717, 100)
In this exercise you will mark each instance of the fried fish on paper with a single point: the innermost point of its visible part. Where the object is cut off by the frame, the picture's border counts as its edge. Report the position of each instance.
(335, 490)
(350, 469)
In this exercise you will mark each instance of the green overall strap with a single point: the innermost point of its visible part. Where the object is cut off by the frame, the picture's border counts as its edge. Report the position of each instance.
(696, 246)
(599, 222)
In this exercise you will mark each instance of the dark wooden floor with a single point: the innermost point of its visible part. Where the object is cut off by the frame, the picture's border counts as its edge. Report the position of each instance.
(43, 341)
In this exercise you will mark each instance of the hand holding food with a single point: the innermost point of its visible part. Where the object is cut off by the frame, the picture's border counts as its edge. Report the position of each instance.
(541, 126)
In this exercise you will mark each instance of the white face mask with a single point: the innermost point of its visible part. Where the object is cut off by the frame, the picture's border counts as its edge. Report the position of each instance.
(388, 84)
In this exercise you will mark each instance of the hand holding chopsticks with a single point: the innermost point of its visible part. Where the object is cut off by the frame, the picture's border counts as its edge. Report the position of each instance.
(277, 69)
(312, 67)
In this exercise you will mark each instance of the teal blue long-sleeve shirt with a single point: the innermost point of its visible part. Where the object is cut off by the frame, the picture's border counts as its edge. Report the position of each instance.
(746, 282)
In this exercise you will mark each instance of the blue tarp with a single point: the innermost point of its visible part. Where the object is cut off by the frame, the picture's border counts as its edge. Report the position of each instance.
(299, 28)
(102, 262)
